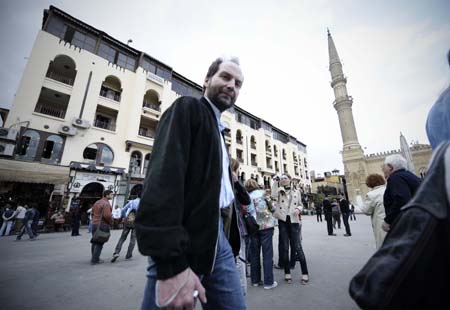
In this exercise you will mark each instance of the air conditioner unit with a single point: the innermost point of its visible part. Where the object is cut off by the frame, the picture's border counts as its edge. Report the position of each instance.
(259, 169)
(67, 130)
(6, 149)
(81, 123)
(8, 133)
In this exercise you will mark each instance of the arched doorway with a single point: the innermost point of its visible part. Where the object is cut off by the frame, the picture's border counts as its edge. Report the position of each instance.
(135, 191)
(90, 193)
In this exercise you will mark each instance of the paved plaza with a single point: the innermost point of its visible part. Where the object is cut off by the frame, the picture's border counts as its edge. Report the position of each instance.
(54, 272)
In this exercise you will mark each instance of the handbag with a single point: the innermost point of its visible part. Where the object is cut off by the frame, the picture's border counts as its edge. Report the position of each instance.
(100, 236)
(251, 224)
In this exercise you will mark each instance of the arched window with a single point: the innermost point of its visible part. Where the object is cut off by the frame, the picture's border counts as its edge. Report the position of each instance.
(268, 146)
(99, 154)
(111, 88)
(62, 69)
(275, 151)
(238, 137)
(52, 149)
(253, 142)
(146, 163)
(107, 155)
(151, 100)
(135, 163)
(29, 143)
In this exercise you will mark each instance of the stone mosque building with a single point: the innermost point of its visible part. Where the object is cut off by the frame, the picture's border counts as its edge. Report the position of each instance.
(357, 165)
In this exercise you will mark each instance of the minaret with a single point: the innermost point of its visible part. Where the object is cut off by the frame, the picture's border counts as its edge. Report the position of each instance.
(352, 153)
(343, 102)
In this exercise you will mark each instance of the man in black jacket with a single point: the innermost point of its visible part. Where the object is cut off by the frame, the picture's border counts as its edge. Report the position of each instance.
(345, 210)
(187, 188)
(400, 188)
(328, 216)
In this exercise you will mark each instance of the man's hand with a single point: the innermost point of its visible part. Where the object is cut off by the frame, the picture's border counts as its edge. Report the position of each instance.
(385, 226)
(176, 293)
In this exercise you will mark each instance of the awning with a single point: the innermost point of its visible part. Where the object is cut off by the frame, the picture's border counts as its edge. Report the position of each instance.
(32, 172)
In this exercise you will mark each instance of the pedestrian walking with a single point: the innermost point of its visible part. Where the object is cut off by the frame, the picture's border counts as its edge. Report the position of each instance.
(180, 224)
(345, 211)
(8, 220)
(352, 213)
(336, 214)
(128, 216)
(401, 187)
(288, 208)
(101, 219)
(318, 207)
(26, 224)
(328, 213)
(261, 209)
(75, 217)
(373, 206)
(19, 214)
(36, 218)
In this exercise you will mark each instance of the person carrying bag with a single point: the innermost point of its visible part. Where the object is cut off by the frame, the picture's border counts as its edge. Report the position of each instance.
(101, 222)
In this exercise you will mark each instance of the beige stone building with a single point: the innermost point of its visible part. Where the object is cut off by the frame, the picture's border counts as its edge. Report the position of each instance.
(357, 165)
(85, 114)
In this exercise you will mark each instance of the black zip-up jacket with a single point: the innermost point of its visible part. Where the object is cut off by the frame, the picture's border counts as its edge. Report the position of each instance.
(178, 216)
(401, 187)
(343, 204)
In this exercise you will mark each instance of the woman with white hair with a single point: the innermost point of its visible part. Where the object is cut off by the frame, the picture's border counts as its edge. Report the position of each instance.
(401, 187)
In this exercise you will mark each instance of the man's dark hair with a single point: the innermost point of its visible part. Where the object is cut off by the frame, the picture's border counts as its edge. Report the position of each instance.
(107, 192)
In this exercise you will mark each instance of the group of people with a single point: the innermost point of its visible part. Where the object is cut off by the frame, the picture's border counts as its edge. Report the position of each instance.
(281, 206)
(103, 220)
(24, 219)
(334, 210)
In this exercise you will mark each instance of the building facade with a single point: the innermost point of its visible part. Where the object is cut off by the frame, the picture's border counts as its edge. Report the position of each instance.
(85, 115)
(357, 165)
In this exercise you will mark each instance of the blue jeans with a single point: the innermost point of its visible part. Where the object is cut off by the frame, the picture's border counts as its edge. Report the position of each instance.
(262, 240)
(223, 288)
(291, 232)
(26, 228)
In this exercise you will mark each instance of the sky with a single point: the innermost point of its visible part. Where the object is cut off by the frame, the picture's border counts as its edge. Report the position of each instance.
(393, 54)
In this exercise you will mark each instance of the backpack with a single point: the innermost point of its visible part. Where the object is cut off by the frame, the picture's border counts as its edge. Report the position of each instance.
(411, 270)
(131, 217)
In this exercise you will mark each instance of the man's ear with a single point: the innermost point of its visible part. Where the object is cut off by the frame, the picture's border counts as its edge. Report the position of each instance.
(206, 83)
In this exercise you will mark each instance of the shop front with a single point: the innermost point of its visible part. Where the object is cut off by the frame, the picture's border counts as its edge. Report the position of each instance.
(23, 182)
(87, 183)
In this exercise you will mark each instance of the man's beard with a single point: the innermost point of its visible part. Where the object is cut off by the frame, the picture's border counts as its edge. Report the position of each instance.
(220, 103)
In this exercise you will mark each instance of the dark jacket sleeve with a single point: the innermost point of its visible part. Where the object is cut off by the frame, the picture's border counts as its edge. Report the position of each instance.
(159, 229)
(399, 194)
(241, 194)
